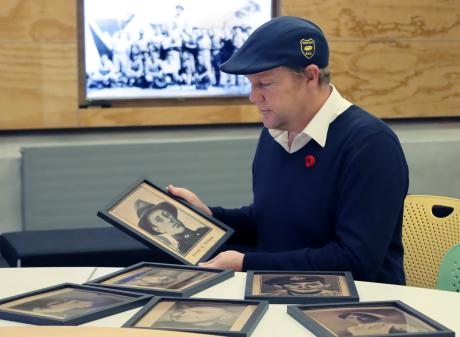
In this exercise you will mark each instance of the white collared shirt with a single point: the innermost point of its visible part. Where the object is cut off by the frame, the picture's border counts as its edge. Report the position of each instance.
(318, 126)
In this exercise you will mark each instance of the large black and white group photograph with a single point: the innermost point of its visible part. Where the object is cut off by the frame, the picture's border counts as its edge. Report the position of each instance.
(166, 49)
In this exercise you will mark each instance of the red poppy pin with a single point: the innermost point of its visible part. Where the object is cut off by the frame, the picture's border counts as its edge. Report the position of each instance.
(310, 161)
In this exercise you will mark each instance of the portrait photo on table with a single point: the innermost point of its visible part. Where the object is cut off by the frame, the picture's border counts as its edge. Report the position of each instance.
(366, 319)
(163, 279)
(66, 304)
(228, 317)
(301, 287)
(156, 218)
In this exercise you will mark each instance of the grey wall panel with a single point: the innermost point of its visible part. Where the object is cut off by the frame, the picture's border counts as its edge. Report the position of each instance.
(434, 167)
(64, 186)
(10, 196)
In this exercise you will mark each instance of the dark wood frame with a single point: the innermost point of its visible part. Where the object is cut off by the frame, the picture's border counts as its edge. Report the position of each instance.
(105, 215)
(296, 311)
(246, 330)
(220, 275)
(138, 299)
(299, 299)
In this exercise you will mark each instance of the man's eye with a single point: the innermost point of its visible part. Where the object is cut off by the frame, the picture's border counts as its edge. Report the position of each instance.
(159, 219)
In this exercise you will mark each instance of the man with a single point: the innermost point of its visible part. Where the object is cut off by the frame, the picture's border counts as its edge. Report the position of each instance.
(300, 285)
(63, 307)
(202, 317)
(163, 278)
(151, 278)
(162, 219)
(57, 306)
(329, 179)
(367, 323)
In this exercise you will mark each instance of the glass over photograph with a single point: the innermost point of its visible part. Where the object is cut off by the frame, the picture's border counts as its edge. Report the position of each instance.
(148, 211)
(299, 285)
(197, 316)
(64, 303)
(164, 49)
(367, 321)
(159, 278)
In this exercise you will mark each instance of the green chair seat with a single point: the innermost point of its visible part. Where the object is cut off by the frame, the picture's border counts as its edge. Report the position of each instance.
(449, 270)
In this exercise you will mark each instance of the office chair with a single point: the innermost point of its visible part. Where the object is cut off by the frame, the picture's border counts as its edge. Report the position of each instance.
(431, 226)
(449, 270)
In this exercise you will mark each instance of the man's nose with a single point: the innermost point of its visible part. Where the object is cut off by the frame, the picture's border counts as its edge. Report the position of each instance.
(255, 95)
(304, 286)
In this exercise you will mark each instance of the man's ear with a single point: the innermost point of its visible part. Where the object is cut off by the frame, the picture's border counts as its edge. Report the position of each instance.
(311, 72)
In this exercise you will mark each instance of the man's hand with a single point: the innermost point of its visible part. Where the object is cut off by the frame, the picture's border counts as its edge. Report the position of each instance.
(190, 197)
(229, 259)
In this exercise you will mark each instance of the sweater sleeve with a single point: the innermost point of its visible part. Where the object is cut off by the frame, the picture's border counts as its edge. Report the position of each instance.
(372, 187)
(240, 219)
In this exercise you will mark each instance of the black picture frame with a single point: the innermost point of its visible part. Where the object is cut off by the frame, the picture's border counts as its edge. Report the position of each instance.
(375, 319)
(49, 306)
(130, 212)
(177, 281)
(280, 287)
(233, 318)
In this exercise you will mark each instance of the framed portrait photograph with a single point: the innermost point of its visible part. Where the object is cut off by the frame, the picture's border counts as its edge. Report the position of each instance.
(233, 318)
(377, 319)
(163, 279)
(68, 304)
(294, 287)
(156, 218)
(88, 331)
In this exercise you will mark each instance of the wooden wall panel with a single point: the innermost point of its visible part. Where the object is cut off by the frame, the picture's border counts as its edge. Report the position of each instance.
(395, 58)
(406, 78)
(38, 20)
(38, 86)
(377, 19)
(174, 115)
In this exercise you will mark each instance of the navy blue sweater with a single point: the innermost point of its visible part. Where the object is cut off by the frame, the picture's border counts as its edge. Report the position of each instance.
(344, 213)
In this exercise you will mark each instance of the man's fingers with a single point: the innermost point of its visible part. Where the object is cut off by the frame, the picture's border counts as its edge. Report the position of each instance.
(178, 191)
(190, 197)
(229, 259)
(207, 263)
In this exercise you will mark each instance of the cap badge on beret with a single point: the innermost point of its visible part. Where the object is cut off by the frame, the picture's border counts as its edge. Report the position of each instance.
(307, 47)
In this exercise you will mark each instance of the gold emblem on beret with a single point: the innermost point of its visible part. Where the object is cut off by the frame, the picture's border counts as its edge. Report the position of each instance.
(307, 47)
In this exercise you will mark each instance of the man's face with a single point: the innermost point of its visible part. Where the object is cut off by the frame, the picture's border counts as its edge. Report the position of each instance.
(156, 280)
(59, 306)
(354, 318)
(304, 287)
(280, 95)
(362, 318)
(198, 315)
(164, 222)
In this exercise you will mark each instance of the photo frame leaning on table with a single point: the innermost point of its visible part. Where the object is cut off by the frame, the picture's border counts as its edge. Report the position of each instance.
(233, 318)
(162, 279)
(296, 287)
(375, 319)
(68, 304)
(160, 220)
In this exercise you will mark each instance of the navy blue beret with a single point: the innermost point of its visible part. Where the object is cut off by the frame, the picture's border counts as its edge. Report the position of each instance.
(283, 41)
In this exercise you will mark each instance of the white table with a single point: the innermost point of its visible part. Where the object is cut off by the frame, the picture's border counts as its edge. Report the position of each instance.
(442, 306)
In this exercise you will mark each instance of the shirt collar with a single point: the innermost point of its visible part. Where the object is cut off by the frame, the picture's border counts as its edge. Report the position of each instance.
(319, 125)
